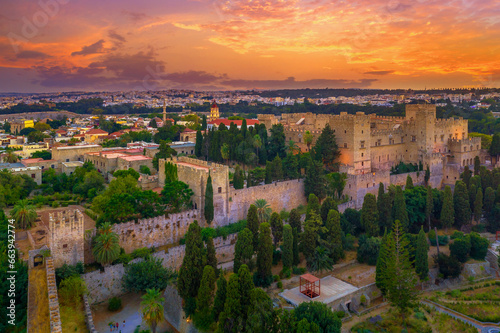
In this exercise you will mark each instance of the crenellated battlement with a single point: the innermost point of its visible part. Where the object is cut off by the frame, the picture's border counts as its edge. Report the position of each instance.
(66, 236)
(67, 219)
(396, 131)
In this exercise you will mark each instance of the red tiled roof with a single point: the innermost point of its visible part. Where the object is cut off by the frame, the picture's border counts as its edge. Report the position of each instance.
(188, 130)
(214, 105)
(61, 131)
(227, 122)
(96, 131)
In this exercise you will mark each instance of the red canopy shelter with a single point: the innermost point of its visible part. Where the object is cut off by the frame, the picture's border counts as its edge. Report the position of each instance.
(310, 285)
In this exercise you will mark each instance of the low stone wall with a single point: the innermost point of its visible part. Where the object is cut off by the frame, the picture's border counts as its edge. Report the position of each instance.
(492, 258)
(89, 320)
(55, 317)
(345, 205)
(477, 270)
(103, 285)
(370, 291)
(174, 313)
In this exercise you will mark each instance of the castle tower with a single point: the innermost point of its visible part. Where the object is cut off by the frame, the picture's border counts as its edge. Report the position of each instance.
(66, 237)
(214, 111)
(164, 112)
(422, 119)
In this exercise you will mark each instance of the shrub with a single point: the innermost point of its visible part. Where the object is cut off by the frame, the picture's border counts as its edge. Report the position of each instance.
(348, 242)
(276, 278)
(280, 285)
(457, 234)
(55, 204)
(368, 250)
(141, 253)
(443, 240)
(298, 270)
(276, 257)
(66, 271)
(114, 304)
(286, 273)
(460, 248)
(147, 274)
(479, 246)
(449, 266)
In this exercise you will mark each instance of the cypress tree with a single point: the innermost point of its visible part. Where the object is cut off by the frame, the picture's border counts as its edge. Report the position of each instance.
(429, 205)
(295, 220)
(399, 209)
(421, 256)
(315, 181)
(211, 257)
(312, 205)
(466, 176)
(326, 149)
(206, 295)
(220, 297)
(477, 164)
(249, 179)
(472, 195)
(309, 238)
(276, 228)
(409, 183)
(246, 287)
(427, 176)
(264, 255)
(244, 127)
(170, 172)
(277, 170)
(381, 263)
(269, 173)
(238, 180)
(192, 266)
(209, 201)
(230, 318)
(447, 210)
(478, 206)
(253, 224)
(327, 205)
(199, 144)
(369, 215)
(204, 123)
(296, 254)
(384, 206)
(243, 250)
(287, 251)
(489, 200)
(461, 205)
(334, 235)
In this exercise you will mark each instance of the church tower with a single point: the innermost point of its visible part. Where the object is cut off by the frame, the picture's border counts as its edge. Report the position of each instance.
(214, 111)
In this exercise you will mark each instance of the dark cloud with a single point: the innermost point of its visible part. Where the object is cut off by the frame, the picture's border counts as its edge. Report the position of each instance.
(97, 47)
(193, 77)
(114, 35)
(27, 54)
(291, 83)
(74, 77)
(379, 72)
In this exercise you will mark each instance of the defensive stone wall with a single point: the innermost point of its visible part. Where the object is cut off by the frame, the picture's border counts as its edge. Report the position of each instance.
(156, 231)
(103, 285)
(345, 205)
(55, 317)
(279, 195)
(66, 237)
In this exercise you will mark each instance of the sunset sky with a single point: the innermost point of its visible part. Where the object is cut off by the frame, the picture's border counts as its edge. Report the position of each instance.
(97, 45)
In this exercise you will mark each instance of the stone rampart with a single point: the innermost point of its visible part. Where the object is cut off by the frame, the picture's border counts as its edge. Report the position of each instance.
(279, 195)
(349, 204)
(103, 285)
(55, 317)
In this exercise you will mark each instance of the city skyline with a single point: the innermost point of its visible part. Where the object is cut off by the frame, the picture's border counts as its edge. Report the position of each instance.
(62, 45)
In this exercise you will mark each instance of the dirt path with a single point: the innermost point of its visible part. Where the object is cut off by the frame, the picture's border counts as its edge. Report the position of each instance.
(38, 302)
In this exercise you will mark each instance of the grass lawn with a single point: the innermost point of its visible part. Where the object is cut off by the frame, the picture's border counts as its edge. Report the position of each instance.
(485, 312)
(391, 322)
(72, 316)
(39, 301)
(441, 322)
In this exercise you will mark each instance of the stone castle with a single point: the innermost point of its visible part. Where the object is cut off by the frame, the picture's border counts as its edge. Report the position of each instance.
(66, 237)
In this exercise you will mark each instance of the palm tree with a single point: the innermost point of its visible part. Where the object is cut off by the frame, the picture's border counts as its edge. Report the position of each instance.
(292, 147)
(106, 248)
(11, 157)
(152, 308)
(224, 151)
(24, 214)
(263, 210)
(105, 228)
(257, 142)
(321, 260)
(308, 139)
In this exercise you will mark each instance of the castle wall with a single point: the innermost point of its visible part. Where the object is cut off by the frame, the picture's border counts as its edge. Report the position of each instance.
(103, 285)
(279, 195)
(66, 237)
(73, 153)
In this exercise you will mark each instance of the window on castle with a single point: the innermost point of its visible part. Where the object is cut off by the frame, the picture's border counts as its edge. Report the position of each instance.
(362, 144)
(220, 190)
(65, 246)
(67, 160)
(362, 154)
(362, 163)
(345, 145)
(463, 134)
(345, 131)
(379, 142)
(391, 141)
(465, 148)
(402, 139)
(362, 132)
(33, 175)
(442, 138)
(435, 138)
(413, 138)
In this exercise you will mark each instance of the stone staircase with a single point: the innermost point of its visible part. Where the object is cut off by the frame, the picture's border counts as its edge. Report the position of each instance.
(55, 318)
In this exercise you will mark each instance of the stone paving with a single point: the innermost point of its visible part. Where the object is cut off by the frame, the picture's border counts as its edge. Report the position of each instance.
(331, 289)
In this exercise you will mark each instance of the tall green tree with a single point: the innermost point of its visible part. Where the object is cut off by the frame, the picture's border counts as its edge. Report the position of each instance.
(399, 209)
(310, 236)
(230, 318)
(246, 287)
(263, 210)
(152, 311)
(327, 205)
(276, 144)
(489, 199)
(369, 215)
(295, 220)
(315, 181)
(243, 250)
(220, 297)
(253, 224)
(478, 205)
(409, 183)
(421, 256)
(312, 205)
(399, 278)
(209, 201)
(494, 149)
(204, 123)
(261, 315)
(461, 205)
(296, 254)
(472, 195)
(198, 147)
(382, 258)
(326, 149)
(287, 251)
(447, 210)
(276, 228)
(239, 178)
(477, 164)
(466, 175)
(429, 205)
(277, 170)
(211, 255)
(308, 139)
(193, 263)
(205, 297)
(384, 206)
(320, 314)
(264, 255)
(334, 233)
